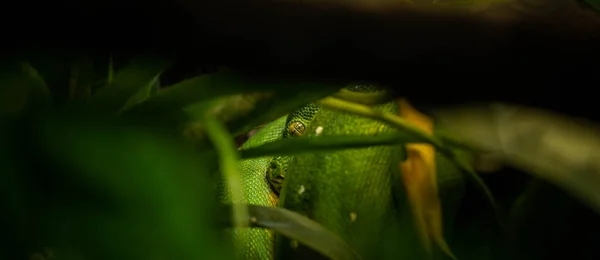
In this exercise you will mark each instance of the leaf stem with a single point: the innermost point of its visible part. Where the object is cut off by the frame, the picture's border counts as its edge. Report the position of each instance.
(392, 120)
(228, 160)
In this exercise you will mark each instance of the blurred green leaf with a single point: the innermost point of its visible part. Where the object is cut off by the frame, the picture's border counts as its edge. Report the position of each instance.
(464, 160)
(142, 94)
(22, 88)
(119, 191)
(302, 230)
(242, 113)
(137, 78)
(226, 108)
(195, 90)
(228, 165)
(39, 96)
(552, 147)
(239, 100)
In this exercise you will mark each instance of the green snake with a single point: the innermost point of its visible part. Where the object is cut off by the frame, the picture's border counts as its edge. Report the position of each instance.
(351, 192)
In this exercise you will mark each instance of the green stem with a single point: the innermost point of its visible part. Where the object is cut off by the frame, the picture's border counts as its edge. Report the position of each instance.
(228, 161)
(392, 120)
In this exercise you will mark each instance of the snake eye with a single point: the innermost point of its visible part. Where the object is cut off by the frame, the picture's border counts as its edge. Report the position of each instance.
(296, 129)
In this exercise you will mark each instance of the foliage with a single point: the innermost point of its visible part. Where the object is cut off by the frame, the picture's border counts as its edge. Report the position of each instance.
(129, 172)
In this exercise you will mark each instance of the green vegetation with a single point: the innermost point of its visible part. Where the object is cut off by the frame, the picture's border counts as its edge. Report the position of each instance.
(97, 162)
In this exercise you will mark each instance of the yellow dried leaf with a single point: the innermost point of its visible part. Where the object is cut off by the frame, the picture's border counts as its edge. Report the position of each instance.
(420, 180)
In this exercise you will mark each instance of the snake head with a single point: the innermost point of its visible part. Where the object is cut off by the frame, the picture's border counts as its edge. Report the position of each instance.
(296, 125)
(276, 174)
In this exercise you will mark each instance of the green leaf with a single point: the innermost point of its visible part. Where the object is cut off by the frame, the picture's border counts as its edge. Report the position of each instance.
(22, 88)
(311, 144)
(244, 112)
(302, 230)
(38, 95)
(389, 118)
(119, 191)
(463, 160)
(142, 95)
(241, 102)
(226, 108)
(228, 164)
(554, 148)
(195, 90)
(138, 76)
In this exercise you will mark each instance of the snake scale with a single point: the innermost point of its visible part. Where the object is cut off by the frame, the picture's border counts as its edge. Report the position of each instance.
(352, 192)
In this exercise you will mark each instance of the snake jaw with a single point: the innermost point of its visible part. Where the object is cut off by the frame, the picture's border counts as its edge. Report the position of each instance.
(275, 175)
